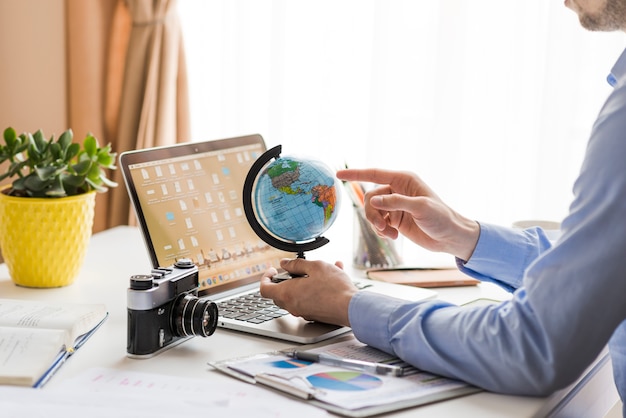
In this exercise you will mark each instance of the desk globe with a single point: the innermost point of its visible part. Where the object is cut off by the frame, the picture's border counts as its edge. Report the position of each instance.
(291, 201)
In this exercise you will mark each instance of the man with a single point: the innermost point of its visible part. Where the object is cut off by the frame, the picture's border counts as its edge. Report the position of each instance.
(569, 299)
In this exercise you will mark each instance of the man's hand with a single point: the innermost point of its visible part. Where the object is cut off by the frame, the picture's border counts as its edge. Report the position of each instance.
(404, 204)
(324, 295)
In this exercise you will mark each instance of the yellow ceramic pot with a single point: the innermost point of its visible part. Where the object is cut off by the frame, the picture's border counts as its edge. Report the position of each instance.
(44, 240)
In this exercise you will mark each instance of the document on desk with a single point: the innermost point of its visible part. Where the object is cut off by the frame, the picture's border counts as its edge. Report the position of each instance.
(106, 393)
(345, 391)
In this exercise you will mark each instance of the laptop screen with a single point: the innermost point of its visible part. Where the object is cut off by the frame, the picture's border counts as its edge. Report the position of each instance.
(188, 200)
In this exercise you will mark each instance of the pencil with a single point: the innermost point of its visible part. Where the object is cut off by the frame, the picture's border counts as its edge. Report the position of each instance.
(358, 191)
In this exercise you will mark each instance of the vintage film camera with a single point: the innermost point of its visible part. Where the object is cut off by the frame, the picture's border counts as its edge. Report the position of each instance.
(164, 309)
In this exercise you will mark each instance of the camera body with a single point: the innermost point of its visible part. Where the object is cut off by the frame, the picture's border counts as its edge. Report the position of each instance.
(164, 309)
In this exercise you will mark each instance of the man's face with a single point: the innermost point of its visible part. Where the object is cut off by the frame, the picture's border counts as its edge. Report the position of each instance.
(600, 15)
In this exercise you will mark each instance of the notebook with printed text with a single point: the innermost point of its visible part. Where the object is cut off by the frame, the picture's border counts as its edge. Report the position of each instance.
(188, 202)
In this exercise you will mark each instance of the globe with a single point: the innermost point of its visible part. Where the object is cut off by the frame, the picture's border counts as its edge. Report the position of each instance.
(296, 199)
(291, 201)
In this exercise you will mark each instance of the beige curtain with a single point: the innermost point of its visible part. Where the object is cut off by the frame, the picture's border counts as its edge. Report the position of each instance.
(88, 34)
(128, 82)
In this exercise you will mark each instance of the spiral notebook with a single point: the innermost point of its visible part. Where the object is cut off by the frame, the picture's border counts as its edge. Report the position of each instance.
(188, 202)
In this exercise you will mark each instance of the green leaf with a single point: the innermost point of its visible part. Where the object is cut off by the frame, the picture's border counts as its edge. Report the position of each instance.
(105, 159)
(19, 184)
(20, 146)
(91, 145)
(72, 151)
(39, 141)
(66, 139)
(72, 180)
(34, 183)
(96, 186)
(82, 167)
(46, 173)
(94, 174)
(56, 151)
(56, 189)
(34, 154)
(10, 137)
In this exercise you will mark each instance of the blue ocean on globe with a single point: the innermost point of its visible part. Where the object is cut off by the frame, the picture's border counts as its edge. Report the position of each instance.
(296, 199)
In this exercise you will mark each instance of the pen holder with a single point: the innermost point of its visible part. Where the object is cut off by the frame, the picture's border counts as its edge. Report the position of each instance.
(369, 250)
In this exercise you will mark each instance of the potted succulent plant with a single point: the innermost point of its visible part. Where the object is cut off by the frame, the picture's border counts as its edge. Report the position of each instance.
(46, 213)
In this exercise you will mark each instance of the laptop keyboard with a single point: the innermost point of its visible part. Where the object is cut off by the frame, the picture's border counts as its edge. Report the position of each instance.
(252, 308)
(256, 309)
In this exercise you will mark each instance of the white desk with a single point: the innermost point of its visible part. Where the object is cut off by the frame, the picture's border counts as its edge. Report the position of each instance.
(116, 254)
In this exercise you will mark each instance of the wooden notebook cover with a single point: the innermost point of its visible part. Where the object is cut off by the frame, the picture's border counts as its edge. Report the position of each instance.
(423, 277)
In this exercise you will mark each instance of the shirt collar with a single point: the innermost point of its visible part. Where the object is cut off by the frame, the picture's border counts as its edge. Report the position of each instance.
(618, 72)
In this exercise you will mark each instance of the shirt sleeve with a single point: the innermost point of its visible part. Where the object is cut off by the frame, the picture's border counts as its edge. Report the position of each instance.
(568, 302)
(502, 254)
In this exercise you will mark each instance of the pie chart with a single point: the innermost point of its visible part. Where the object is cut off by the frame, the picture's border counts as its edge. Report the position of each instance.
(345, 381)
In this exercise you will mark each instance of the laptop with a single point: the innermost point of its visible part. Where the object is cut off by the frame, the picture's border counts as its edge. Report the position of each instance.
(188, 202)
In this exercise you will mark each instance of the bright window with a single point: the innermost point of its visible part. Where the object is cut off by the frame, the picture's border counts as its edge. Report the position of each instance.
(490, 101)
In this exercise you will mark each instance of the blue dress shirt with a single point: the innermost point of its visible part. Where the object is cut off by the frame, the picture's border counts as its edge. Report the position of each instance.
(568, 302)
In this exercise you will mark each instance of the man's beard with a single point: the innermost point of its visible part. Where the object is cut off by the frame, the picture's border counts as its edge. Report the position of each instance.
(611, 18)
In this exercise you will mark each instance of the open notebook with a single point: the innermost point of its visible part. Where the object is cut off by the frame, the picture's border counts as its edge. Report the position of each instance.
(188, 202)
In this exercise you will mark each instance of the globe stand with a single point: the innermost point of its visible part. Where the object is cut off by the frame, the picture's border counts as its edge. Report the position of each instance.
(295, 247)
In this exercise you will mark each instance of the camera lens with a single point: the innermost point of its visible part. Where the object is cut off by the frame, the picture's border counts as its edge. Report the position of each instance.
(192, 316)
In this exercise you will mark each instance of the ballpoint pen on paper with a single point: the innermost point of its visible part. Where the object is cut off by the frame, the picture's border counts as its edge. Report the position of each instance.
(359, 365)
(58, 362)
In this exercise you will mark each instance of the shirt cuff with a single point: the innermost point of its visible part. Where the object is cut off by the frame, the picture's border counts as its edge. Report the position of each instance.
(503, 254)
(369, 314)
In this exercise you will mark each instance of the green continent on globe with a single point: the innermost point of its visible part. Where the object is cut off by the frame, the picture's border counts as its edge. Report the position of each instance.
(284, 175)
(297, 199)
